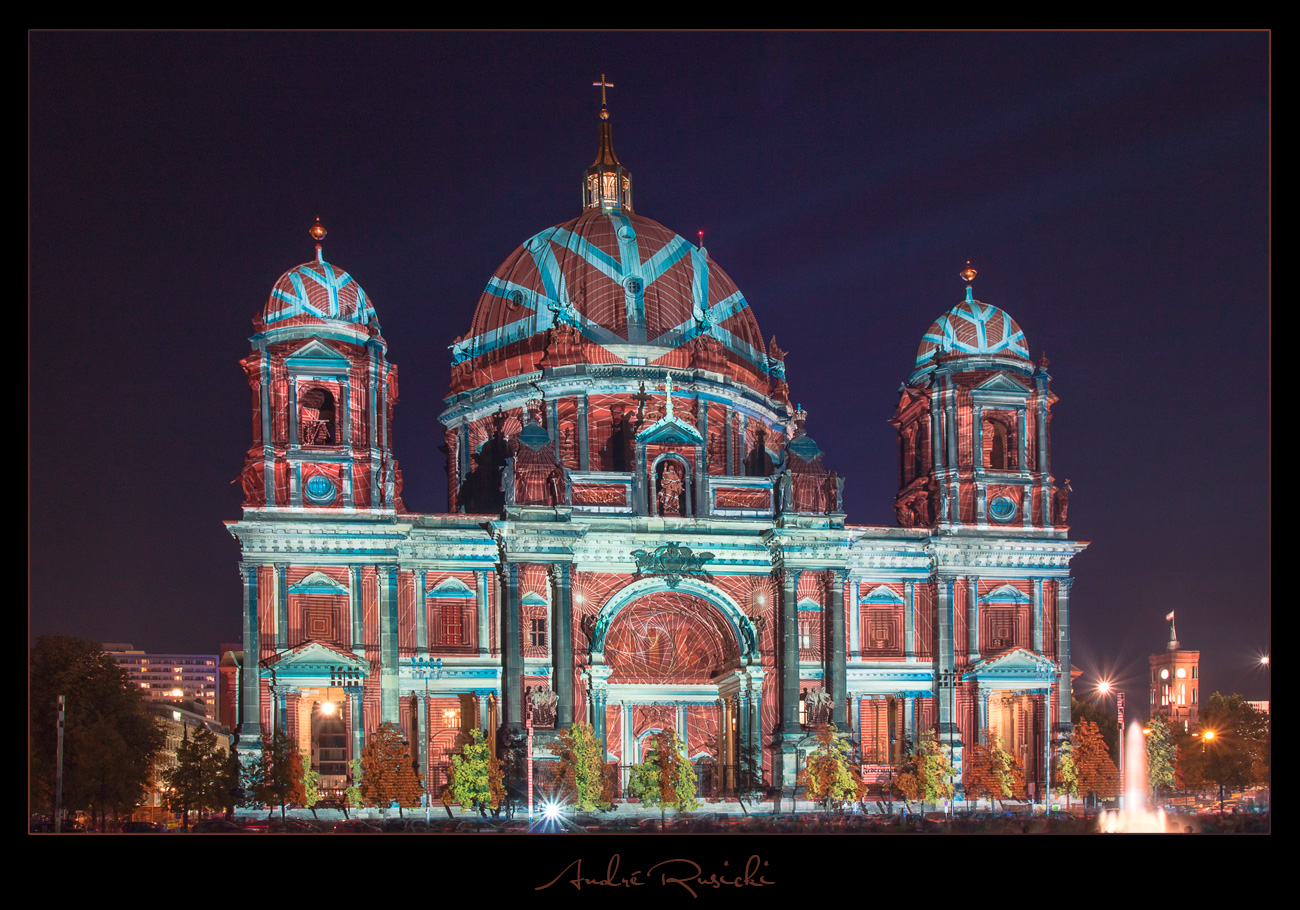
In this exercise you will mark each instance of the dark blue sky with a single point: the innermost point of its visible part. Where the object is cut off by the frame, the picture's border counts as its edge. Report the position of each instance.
(1112, 190)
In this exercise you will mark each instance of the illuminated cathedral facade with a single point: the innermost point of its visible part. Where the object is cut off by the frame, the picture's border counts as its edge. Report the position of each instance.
(641, 534)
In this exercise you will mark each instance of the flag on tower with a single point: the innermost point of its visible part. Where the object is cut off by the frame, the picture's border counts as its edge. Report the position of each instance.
(1170, 617)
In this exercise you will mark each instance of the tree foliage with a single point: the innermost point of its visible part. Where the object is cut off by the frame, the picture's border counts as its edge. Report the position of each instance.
(352, 792)
(1107, 723)
(388, 774)
(1066, 777)
(927, 775)
(991, 772)
(581, 768)
(279, 779)
(1238, 755)
(477, 781)
(665, 778)
(310, 785)
(829, 775)
(110, 739)
(201, 777)
(1097, 773)
(1162, 756)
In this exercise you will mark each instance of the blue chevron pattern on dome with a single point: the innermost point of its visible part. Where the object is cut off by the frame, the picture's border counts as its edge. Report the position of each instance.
(318, 290)
(972, 327)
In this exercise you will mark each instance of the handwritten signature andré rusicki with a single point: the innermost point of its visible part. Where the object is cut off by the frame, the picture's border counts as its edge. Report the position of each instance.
(684, 872)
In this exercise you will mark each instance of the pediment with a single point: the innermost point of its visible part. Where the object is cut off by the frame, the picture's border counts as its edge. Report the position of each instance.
(533, 599)
(670, 431)
(809, 604)
(883, 595)
(1006, 594)
(315, 659)
(452, 587)
(1001, 383)
(317, 355)
(1018, 663)
(317, 583)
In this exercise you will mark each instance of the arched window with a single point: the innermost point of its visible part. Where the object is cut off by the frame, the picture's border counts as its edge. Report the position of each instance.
(995, 433)
(316, 427)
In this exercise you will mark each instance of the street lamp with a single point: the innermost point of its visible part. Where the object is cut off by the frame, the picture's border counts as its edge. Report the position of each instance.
(427, 669)
(1104, 688)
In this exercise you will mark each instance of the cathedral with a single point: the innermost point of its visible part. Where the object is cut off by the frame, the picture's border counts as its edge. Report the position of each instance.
(640, 533)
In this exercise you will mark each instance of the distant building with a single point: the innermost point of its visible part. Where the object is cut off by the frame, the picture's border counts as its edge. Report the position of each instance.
(1260, 706)
(170, 678)
(1175, 682)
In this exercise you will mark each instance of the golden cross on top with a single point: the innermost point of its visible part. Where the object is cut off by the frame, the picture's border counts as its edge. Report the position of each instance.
(603, 85)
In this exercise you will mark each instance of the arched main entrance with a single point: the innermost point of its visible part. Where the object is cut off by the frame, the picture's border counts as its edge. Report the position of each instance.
(673, 658)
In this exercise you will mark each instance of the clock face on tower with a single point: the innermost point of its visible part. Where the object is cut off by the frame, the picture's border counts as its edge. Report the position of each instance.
(1164, 674)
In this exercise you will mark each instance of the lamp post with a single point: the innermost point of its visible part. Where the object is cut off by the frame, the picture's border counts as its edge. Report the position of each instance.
(427, 669)
(1105, 687)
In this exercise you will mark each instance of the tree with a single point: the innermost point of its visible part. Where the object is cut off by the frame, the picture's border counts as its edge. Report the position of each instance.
(992, 772)
(1162, 756)
(581, 768)
(352, 792)
(1067, 773)
(1097, 773)
(665, 778)
(829, 776)
(199, 779)
(1106, 722)
(388, 774)
(279, 782)
(310, 786)
(927, 775)
(1237, 756)
(110, 739)
(477, 781)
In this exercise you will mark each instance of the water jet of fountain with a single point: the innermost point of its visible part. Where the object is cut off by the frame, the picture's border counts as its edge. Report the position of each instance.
(1136, 817)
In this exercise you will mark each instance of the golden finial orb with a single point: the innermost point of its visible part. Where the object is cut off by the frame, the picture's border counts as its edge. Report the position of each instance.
(968, 274)
(318, 231)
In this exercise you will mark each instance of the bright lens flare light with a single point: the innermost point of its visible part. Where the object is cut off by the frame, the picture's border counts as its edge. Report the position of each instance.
(327, 708)
(551, 810)
(1104, 687)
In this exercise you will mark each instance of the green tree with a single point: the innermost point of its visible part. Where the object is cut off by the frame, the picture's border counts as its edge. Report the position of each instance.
(199, 779)
(388, 773)
(829, 776)
(927, 774)
(279, 782)
(477, 781)
(992, 772)
(1066, 777)
(1237, 756)
(664, 778)
(1097, 773)
(581, 768)
(352, 792)
(1162, 756)
(310, 786)
(110, 739)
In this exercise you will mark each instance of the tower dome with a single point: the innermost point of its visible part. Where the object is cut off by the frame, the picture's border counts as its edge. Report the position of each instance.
(972, 329)
(317, 293)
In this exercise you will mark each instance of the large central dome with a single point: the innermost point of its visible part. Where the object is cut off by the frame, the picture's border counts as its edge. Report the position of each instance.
(633, 291)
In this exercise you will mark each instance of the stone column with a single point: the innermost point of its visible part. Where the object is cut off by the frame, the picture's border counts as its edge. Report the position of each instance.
(281, 606)
(1037, 618)
(389, 671)
(791, 730)
(423, 723)
(358, 616)
(1063, 649)
(356, 716)
(584, 441)
(421, 614)
(250, 700)
(562, 604)
(512, 652)
(972, 617)
(838, 670)
(909, 620)
(982, 705)
(953, 469)
(855, 618)
(484, 639)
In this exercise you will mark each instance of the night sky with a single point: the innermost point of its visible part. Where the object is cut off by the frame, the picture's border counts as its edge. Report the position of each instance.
(1112, 190)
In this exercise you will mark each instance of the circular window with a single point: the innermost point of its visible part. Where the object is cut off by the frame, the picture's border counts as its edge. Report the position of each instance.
(320, 489)
(1002, 508)
(1164, 674)
(517, 297)
(634, 285)
(627, 232)
(1182, 673)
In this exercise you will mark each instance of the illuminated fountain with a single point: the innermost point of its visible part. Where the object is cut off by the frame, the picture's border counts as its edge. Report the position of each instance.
(1136, 817)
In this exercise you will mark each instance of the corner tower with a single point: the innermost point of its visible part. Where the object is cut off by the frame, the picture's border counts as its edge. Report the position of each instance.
(323, 397)
(973, 419)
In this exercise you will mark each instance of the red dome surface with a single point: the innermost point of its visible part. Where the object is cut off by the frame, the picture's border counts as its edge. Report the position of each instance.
(619, 279)
(316, 293)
